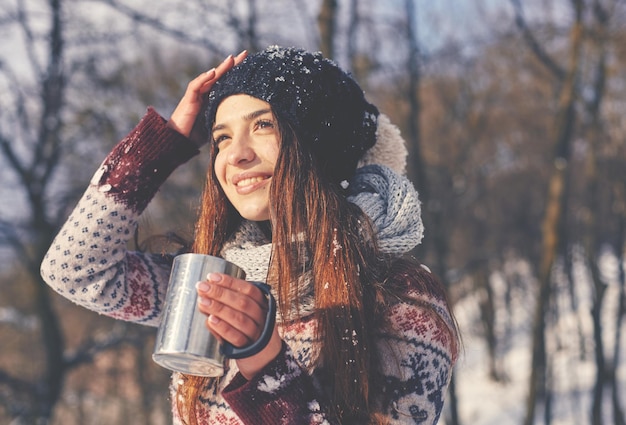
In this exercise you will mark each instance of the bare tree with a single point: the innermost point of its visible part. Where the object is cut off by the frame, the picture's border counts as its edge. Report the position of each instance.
(38, 133)
(482, 123)
(591, 239)
(33, 157)
(51, 121)
(552, 226)
(618, 408)
(327, 22)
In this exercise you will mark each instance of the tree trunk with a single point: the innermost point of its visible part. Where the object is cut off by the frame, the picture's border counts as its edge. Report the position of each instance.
(620, 251)
(552, 226)
(488, 316)
(251, 36)
(596, 313)
(591, 248)
(53, 342)
(326, 21)
(590, 238)
(53, 88)
(416, 169)
(34, 175)
(415, 165)
(573, 298)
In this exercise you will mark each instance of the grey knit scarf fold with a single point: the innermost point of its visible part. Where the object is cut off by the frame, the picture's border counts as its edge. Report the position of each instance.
(391, 202)
(388, 199)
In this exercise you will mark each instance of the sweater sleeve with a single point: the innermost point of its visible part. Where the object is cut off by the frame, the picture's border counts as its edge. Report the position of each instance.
(417, 351)
(415, 383)
(88, 261)
(281, 393)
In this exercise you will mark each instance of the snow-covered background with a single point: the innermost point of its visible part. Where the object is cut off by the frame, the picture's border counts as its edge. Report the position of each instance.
(482, 401)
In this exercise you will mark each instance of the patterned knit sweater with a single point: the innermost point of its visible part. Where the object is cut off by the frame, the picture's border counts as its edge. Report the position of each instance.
(88, 263)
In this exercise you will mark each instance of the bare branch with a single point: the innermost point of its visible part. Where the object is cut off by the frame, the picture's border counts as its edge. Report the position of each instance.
(161, 26)
(311, 29)
(22, 19)
(12, 158)
(10, 237)
(90, 348)
(18, 96)
(16, 384)
(327, 23)
(533, 44)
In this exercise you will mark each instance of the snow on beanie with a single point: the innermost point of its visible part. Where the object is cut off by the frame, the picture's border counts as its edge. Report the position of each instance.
(322, 103)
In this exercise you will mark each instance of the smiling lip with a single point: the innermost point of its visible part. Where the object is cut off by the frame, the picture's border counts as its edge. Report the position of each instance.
(247, 183)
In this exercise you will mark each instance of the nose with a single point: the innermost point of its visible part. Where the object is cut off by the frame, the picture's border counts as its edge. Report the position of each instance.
(240, 151)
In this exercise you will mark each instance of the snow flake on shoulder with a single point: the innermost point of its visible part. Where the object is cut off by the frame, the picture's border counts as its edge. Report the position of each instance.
(316, 416)
(281, 379)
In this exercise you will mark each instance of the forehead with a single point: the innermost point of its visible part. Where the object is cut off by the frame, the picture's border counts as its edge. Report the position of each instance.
(239, 106)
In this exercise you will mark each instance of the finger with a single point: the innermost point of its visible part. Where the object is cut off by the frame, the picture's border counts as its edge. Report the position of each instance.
(199, 84)
(239, 309)
(206, 81)
(238, 334)
(238, 286)
(235, 326)
(210, 77)
(224, 67)
(240, 57)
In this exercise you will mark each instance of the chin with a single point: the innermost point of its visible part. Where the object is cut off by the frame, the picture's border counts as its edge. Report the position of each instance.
(255, 216)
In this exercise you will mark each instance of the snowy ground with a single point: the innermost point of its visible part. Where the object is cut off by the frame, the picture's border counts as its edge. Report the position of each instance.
(485, 402)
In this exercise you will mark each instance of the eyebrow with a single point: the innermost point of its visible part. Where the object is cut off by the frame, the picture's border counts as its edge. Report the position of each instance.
(248, 117)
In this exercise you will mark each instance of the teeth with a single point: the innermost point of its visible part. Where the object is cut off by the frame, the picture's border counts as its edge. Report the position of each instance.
(246, 182)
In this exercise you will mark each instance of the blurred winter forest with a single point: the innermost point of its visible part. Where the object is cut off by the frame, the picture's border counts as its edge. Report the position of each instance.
(514, 112)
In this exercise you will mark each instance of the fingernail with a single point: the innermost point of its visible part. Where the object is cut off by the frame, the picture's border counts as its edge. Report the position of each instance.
(214, 319)
(242, 52)
(203, 286)
(204, 301)
(211, 71)
(228, 58)
(214, 277)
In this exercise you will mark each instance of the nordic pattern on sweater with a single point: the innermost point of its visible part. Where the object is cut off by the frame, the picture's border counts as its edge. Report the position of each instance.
(88, 263)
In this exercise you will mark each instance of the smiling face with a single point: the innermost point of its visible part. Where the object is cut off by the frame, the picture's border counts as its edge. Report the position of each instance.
(248, 141)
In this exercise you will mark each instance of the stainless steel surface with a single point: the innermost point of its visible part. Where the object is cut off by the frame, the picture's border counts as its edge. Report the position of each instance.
(183, 342)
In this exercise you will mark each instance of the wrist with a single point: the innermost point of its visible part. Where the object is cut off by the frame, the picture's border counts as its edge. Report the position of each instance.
(250, 367)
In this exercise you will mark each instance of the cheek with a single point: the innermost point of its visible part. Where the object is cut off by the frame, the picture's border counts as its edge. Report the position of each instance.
(219, 169)
(272, 152)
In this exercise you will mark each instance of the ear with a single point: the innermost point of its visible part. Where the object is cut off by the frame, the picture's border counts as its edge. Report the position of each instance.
(389, 149)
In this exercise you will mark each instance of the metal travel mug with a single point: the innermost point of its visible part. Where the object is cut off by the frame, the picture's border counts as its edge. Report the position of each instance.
(183, 342)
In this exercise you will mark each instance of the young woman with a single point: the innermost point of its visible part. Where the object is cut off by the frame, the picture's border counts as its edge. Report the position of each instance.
(305, 192)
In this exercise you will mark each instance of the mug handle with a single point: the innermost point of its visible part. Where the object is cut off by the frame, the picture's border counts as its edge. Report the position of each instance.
(233, 352)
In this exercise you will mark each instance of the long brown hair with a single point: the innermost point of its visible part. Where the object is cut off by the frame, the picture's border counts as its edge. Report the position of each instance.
(314, 227)
(338, 243)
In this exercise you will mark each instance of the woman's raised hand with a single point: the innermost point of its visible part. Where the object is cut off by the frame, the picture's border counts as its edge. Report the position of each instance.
(188, 117)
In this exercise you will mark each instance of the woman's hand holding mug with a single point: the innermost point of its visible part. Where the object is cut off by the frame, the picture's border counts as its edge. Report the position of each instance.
(237, 313)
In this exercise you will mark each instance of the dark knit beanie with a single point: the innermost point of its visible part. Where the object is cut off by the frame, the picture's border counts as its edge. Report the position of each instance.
(322, 103)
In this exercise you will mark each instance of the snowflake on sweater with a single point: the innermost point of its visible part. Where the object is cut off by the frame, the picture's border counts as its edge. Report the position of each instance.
(204, 416)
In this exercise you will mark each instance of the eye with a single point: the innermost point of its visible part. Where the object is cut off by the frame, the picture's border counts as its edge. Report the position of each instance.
(219, 138)
(264, 124)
